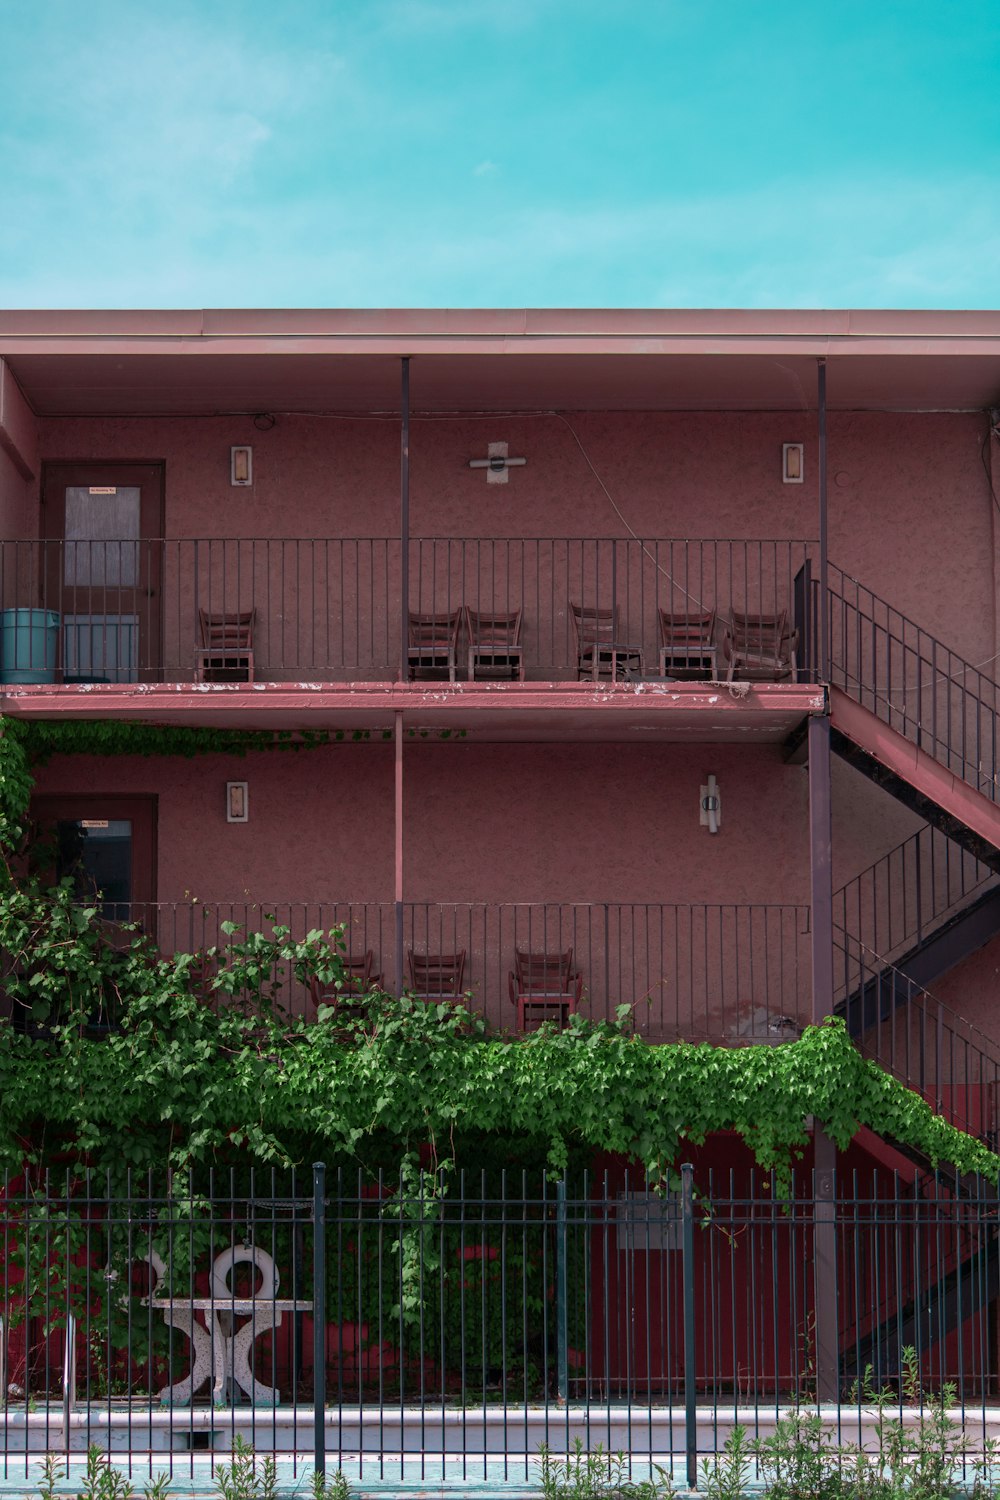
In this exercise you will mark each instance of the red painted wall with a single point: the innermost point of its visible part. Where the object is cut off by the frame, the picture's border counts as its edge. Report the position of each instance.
(910, 513)
(483, 823)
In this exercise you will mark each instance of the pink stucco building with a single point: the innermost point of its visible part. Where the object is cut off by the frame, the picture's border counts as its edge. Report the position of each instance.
(759, 547)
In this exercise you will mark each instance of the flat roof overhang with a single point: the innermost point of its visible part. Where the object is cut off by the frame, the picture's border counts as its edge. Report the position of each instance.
(219, 361)
(623, 713)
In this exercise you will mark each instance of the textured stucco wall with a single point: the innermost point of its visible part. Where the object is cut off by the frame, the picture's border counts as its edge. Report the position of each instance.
(910, 509)
(483, 823)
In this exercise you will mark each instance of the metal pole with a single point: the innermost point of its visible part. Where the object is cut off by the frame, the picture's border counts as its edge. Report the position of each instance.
(562, 1308)
(690, 1361)
(398, 737)
(821, 865)
(824, 595)
(827, 1351)
(319, 1317)
(69, 1376)
(404, 520)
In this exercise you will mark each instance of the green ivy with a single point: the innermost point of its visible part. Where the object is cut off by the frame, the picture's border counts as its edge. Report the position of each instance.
(125, 1063)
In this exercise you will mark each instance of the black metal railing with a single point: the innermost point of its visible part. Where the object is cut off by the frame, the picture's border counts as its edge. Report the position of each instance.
(909, 893)
(448, 1328)
(919, 1039)
(710, 971)
(913, 682)
(329, 609)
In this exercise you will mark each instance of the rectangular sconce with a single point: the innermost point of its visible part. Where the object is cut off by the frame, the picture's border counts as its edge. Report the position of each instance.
(241, 465)
(237, 802)
(792, 463)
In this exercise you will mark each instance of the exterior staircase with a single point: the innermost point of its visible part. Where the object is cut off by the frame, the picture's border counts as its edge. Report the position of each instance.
(920, 722)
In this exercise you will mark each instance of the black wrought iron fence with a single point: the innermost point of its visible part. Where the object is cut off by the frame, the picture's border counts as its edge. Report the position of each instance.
(449, 1326)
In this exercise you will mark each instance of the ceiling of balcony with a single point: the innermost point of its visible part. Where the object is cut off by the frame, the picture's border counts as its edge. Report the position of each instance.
(199, 363)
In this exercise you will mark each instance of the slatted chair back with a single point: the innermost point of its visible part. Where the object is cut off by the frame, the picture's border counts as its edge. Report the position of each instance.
(437, 631)
(489, 633)
(761, 645)
(687, 632)
(595, 626)
(544, 973)
(226, 633)
(359, 978)
(436, 975)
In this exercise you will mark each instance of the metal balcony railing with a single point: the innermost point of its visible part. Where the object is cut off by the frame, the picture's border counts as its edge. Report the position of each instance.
(329, 609)
(718, 972)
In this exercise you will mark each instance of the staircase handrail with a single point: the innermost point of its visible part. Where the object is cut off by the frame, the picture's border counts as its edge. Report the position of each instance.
(923, 911)
(918, 716)
(920, 1040)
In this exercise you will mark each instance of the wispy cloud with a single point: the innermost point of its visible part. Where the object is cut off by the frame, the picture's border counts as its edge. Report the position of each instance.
(350, 154)
(349, 252)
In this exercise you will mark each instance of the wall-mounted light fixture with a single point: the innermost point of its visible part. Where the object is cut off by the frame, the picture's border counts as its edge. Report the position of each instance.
(496, 463)
(241, 464)
(710, 806)
(792, 463)
(237, 802)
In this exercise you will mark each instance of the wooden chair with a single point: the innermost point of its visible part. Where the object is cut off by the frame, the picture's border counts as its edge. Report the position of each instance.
(436, 976)
(761, 647)
(360, 978)
(226, 650)
(544, 985)
(495, 645)
(687, 645)
(600, 652)
(433, 646)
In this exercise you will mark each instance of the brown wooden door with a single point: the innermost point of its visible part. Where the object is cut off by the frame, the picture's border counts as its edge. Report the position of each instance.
(102, 525)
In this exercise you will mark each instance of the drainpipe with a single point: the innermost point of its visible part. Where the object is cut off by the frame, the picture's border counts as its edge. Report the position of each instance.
(404, 641)
(404, 517)
(398, 738)
(824, 597)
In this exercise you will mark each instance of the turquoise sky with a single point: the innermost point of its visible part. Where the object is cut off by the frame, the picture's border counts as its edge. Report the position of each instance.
(187, 153)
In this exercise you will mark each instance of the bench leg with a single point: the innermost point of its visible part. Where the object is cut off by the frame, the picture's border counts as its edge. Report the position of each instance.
(185, 1322)
(241, 1345)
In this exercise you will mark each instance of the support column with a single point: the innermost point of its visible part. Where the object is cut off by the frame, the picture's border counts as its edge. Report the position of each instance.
(825, 1335)
(398, 850)
(404, 518)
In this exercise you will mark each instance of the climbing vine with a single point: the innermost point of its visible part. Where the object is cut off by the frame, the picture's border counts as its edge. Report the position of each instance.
(202, 1060)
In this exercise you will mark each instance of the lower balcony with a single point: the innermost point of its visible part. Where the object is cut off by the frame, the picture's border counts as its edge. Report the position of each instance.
(709, 972)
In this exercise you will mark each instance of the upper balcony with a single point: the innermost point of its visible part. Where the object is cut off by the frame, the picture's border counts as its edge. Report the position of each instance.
(578, 634)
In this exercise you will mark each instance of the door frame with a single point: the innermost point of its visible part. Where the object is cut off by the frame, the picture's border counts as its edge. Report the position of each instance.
(141, 809)
(52, 528)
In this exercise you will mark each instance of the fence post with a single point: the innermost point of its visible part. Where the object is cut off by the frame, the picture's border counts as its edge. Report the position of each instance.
(562, 1279)
(690, 1363)
(69, 1376)
(319, 1317)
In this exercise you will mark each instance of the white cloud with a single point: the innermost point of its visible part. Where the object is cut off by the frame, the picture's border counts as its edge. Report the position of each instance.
(484, 169)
